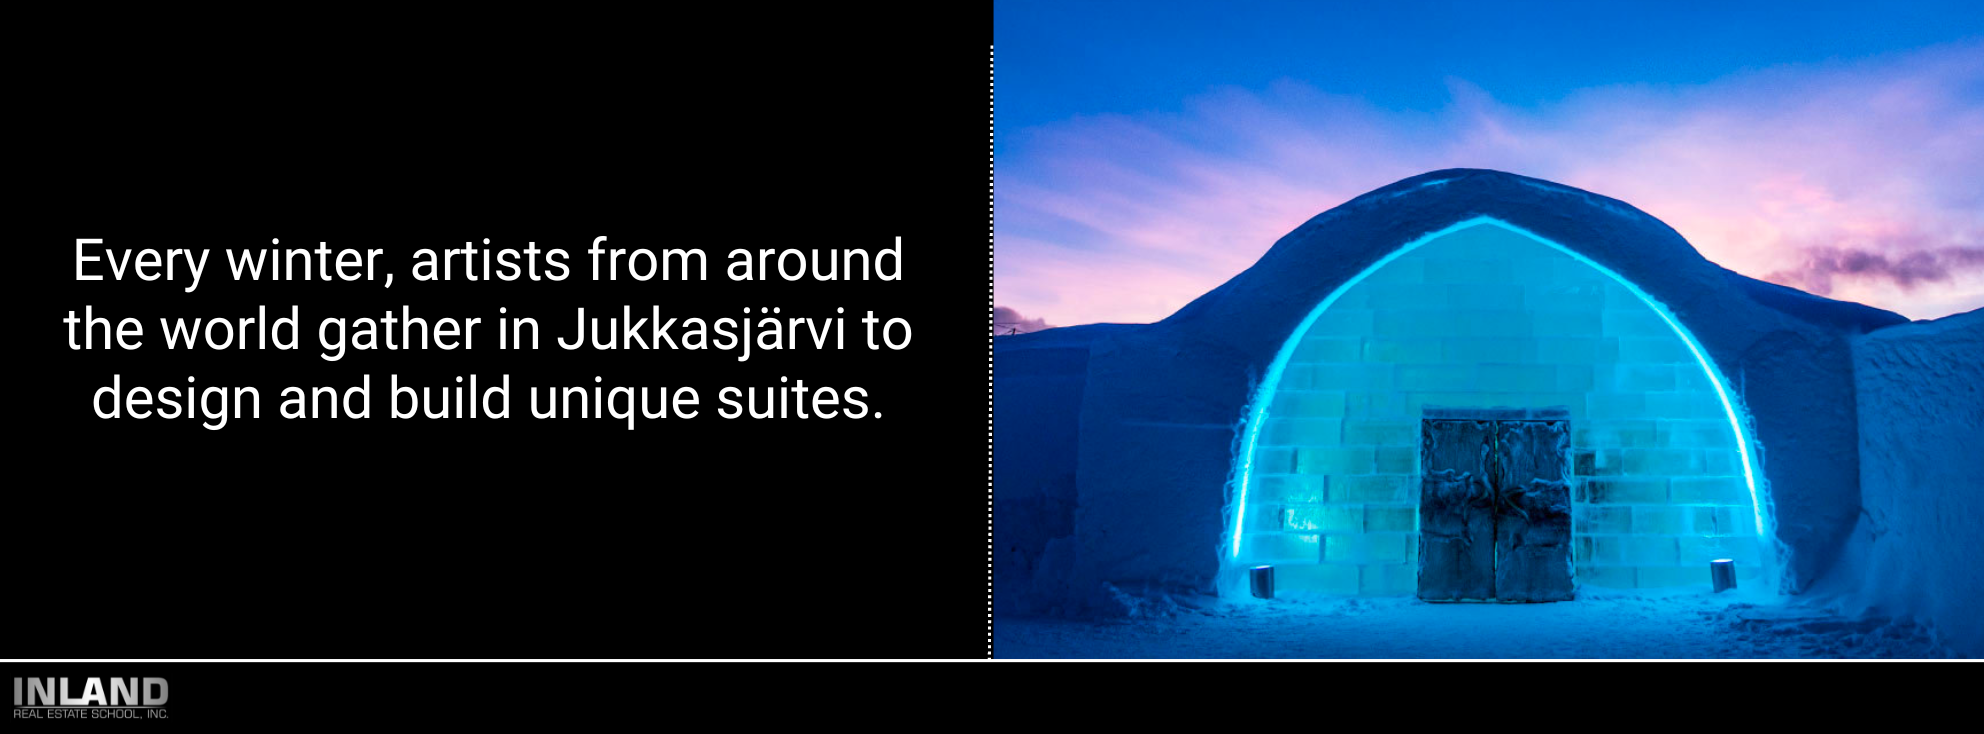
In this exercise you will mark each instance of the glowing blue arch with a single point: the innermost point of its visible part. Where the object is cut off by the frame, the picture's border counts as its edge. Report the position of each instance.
(1731, 405)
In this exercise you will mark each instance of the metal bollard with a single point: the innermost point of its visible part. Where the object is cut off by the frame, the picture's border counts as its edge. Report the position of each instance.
(1722, 572)
(1261, 580)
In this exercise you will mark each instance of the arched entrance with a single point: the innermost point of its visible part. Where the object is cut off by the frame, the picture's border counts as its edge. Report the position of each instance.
(1484, 314)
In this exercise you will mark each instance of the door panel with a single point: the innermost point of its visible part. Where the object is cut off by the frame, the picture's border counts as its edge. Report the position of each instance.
(1495, 505)
(1533, 511)
(1456, 511)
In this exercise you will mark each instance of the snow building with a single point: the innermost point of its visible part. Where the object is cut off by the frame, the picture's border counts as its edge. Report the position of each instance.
(1414, 391)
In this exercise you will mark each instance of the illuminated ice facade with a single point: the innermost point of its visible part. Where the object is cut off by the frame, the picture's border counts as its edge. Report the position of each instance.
(1483, 315)
(1274, 419)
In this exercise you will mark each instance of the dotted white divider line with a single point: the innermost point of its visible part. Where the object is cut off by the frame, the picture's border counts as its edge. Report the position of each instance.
(991, 310)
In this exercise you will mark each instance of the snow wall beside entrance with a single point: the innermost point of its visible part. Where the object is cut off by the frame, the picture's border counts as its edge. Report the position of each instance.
(1161, 404)
(1036, 407)
(1918, 550)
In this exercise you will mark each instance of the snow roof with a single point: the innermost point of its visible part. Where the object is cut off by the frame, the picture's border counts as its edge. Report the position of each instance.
(1610, 232)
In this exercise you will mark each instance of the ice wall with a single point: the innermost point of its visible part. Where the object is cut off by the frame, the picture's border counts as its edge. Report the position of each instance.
(1486, 317)
(1918, 550)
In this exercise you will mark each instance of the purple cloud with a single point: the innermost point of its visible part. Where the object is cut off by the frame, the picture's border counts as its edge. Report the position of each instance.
(1006, 321)
(1906, 270)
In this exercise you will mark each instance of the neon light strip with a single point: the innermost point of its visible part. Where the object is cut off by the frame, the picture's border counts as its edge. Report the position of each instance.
(1728, 407)
(1258, 415)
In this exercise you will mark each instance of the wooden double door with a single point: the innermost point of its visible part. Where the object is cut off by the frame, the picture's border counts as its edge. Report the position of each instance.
(1495, 505)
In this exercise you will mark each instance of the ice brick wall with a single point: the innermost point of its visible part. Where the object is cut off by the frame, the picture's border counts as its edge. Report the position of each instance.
(1484, 317)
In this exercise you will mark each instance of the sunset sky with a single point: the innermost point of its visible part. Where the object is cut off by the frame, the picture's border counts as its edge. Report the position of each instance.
(1146, 153)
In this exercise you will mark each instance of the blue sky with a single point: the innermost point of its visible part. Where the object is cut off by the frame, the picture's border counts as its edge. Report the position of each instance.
(1145, 152)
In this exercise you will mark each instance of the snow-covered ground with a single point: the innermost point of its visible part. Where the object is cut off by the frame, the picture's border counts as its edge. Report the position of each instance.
(1594, 626)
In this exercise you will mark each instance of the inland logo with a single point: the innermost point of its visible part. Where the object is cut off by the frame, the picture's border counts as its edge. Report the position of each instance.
(90, 698)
